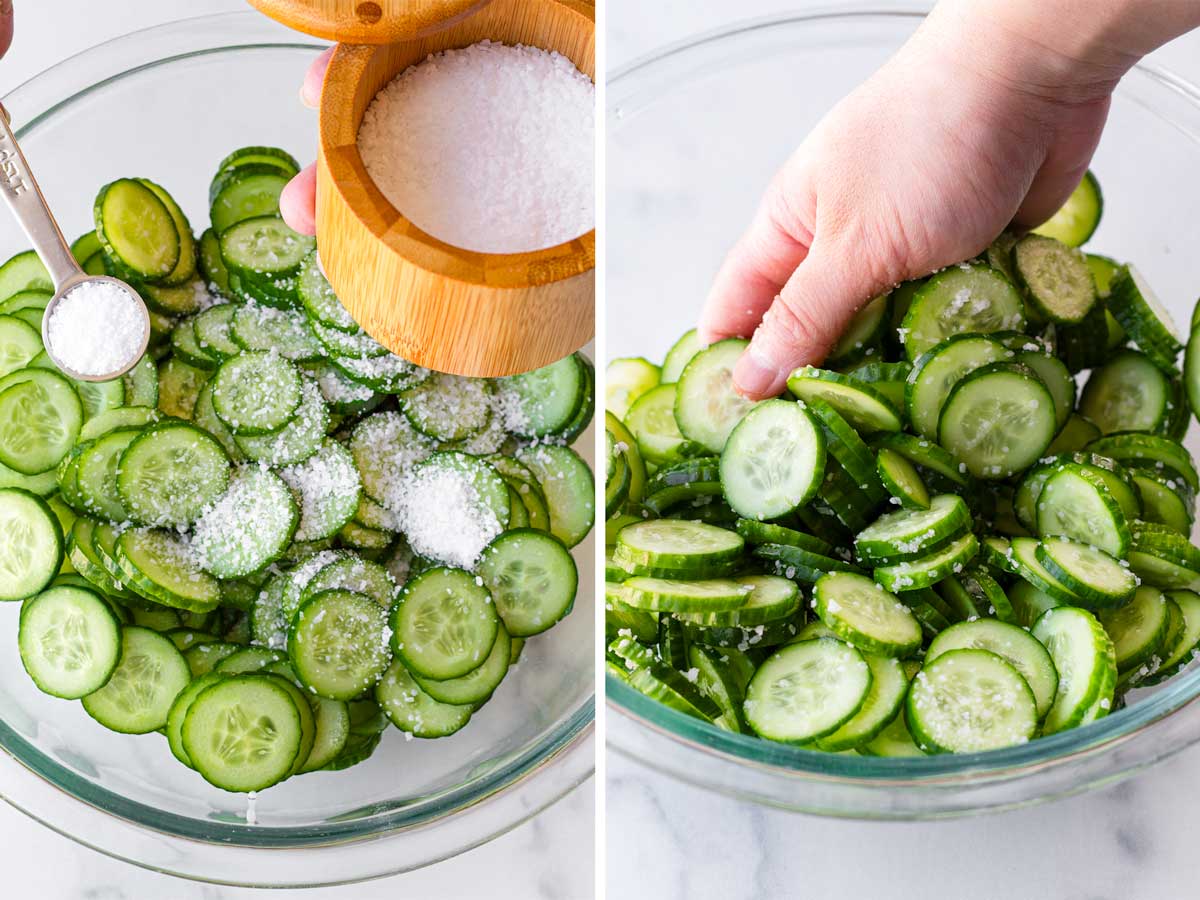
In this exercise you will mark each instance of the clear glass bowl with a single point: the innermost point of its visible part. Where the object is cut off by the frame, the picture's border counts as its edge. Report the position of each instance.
(695, 132)
(168, 103)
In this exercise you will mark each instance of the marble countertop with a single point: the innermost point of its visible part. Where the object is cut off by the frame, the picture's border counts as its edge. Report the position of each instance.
(669, 840)
(550, 856)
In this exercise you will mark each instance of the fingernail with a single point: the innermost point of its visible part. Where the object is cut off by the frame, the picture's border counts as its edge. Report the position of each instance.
(754, 377)
(304, 99)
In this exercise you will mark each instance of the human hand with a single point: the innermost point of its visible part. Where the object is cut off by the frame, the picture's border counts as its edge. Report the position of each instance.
(975, 124)
(298, 202)
(6, 25)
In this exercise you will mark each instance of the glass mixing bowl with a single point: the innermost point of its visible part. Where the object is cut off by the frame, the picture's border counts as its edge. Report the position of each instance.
(695, 132)
(168, 103)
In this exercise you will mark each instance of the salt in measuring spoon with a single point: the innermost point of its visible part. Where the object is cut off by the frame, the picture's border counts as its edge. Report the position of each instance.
(24, 198)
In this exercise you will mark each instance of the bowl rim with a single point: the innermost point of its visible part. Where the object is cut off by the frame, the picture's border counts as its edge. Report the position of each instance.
(205, 35)
(787, 760)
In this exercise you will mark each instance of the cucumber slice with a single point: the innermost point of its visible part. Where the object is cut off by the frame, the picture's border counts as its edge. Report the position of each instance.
(760, 637)
(96, 474)
(1056, 278)
(69, 639)
(248, 527)
(337, 644)
(544, 401)
(912, 575)
(20, 342)
(256, 327)
(901, 479)
(448, 407)
(962, 299)
(1085, 660)
(319, 300)
(328, 489)
(24, 272)
(160, 564)
(672, 548)
(185, 268)
(754, 532)
(625, 381)
(673, 595)
(1076, 503)
(32, 550)
(1148, 451)
(998, 420)
(137, 697)
(40, 418)
(717, 680)
(245, 192)
(679, 356)
(178, 712)
(263, 247)
(910, 534)
(799, 564)
(706, 406)
(865, 615)
(297, 441)
(770, 599)
(1177, 656)
(414, 711)
(863, 337)
(1012, 644)
(1025, 558)
(935, 373)
(477, 685)
(444, 624)
(1139, 629)
(1088, 572)
(1074, 436)
(386, 374)
(651, 419)
(1057, 379)
(567, 483)
(133, 417)
(773, 461)
(532, 579)
(256, 393)
(245, 732)
(1145, 319)
(170, 473)
(137, 230)
(1165, 502)
(807, 690)
(889, 686)
(968, 701)
(352, 573)
(864, 408)
(1076, 221)
(1128, 393)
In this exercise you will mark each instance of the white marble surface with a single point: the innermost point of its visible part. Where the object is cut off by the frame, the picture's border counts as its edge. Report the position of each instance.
(550, 856)
(669, 840)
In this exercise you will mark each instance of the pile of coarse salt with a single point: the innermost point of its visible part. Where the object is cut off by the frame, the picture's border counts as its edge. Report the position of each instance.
(443, 516)
(488, 148)
(97, 328)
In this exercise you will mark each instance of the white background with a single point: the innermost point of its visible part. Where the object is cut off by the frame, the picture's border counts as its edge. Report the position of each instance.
(667, 840)
(551, 856)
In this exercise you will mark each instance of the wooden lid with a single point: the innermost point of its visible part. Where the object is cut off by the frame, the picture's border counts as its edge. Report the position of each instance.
(368, 21)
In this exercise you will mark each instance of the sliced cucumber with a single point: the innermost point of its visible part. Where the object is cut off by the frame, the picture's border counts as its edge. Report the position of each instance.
(962, 299)
(706, 406)
(865, 615)
(773, 461)
(1012, 644)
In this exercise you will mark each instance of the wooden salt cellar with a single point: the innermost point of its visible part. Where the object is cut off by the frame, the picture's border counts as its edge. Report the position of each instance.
(440, 306)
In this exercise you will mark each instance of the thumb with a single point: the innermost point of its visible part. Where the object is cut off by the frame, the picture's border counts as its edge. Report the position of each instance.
(804, 321)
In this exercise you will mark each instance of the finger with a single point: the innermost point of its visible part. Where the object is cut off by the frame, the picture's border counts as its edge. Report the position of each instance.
(6, 25)
(1062, 170)
(810, 313)
(298, 201)
(314, 78)
(759, 264)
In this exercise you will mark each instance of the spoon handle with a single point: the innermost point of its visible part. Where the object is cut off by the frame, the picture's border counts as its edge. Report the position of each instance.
(24, 197)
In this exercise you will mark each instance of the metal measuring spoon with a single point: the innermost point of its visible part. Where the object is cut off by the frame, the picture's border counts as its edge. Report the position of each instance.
(24, 198)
